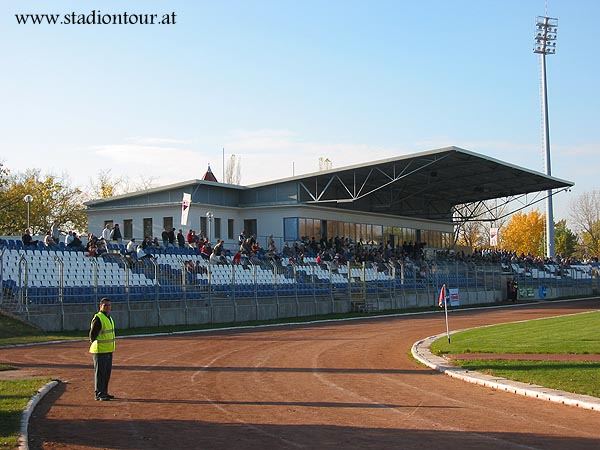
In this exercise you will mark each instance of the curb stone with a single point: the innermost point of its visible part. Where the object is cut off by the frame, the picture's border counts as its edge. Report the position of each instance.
(420, 350)
(23, 441)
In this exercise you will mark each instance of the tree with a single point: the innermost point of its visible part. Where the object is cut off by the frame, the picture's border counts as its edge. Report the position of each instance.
(565, 240)
(233, 170)
(585, 214)
(524, 233)
(476, 231)
(54, 199)
(105, 185)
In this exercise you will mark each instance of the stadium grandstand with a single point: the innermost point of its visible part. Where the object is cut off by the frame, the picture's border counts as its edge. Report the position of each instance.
(368, 237)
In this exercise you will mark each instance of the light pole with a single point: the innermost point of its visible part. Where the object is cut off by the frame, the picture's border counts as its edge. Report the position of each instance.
(545, 44)
(28, 199)
(209, 218)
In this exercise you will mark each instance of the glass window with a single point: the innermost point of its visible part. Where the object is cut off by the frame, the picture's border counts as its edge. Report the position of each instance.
(217, 232)
(229, 228)
(127, 229)
(148, 231)
(290, 229)
(168, 223)
(203, 226)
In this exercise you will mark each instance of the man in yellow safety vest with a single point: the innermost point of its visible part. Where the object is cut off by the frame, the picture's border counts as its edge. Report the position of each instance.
(102, 338)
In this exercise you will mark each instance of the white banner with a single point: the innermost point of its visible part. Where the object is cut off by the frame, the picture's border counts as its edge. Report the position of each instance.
(493, 237)
(185, 208)
(454, 297)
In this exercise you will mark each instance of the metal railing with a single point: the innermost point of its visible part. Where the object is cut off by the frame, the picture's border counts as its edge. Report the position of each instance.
(189, 282)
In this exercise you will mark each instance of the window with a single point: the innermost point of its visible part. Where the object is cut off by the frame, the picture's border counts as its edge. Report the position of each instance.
(290, 229)
(127, 229)
(168, 223)
(148, 232)
(250, 227)
(203, 226)
(108, 222)
(217, 231)
(230, 229)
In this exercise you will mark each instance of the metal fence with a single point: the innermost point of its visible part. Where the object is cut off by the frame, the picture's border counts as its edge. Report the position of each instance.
(34, 278)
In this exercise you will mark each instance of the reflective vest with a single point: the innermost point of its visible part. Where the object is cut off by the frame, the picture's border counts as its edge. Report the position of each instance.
(105, 342)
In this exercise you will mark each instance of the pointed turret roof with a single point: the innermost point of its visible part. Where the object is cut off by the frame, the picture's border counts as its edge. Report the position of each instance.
(209, 176)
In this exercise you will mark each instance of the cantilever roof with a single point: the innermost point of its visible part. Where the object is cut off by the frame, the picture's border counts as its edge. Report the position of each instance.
(425, 184)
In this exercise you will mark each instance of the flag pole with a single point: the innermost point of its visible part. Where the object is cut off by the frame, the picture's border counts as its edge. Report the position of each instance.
(446, 311)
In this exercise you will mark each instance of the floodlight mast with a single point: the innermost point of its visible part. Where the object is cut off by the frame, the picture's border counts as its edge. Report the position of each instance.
(545, 44)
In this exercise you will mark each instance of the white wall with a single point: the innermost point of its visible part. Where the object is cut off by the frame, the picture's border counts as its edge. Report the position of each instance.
(269, 220)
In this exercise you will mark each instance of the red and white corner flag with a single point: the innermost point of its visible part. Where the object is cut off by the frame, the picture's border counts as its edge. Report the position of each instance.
(185, 208)
(442, 297)
(443, 303)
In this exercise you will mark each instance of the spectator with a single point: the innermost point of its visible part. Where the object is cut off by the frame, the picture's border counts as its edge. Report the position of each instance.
(116, 234)
(27, 239)
(48, 241)
(131, 247)
(55, 232)
(172, 237)
(101, 247)
(242, 237)
(141, 253)
(165, 238)
(180, 239)
(191, 238)
(106, 232)
(68, 238)
(76, 242)
(206, 250)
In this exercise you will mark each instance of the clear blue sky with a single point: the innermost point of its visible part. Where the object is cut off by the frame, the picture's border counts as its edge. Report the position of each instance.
(286, 81)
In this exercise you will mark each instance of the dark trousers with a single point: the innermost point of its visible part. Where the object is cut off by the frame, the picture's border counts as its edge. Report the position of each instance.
(102, 370)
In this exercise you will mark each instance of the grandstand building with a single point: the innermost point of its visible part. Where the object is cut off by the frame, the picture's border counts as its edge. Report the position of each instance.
(407, 198)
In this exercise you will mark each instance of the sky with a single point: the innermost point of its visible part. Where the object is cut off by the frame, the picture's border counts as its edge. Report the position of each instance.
(282, 83)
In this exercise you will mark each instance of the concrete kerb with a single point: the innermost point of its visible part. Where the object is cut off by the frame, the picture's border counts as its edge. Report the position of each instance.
(23, 440)
(421, 351)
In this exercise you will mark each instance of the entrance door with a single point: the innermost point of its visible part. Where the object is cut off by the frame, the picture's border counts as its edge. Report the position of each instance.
(250, 227)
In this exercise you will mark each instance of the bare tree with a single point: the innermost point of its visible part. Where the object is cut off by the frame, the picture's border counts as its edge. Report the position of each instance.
(233, 170)
(106, 185)
(324, 163)
(585, 214)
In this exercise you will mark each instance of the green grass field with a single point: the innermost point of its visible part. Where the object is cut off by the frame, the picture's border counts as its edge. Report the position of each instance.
(14, 396)
(574, 334)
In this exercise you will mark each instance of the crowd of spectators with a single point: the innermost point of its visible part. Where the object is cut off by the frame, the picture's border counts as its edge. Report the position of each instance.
(331, 252)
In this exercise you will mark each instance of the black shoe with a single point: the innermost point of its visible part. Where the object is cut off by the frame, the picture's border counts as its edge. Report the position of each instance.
(103, 399)
(110, 397)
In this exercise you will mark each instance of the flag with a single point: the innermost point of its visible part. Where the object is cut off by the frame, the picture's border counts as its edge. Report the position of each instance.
(493, 237)
(185, 208)
(442, 297)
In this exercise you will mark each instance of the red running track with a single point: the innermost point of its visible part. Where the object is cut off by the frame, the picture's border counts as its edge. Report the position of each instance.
(343, 385)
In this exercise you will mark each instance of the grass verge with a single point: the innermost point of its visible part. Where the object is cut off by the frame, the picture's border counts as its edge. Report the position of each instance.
(14, 396)
(577, 334)
(578, 377)
(573, 334)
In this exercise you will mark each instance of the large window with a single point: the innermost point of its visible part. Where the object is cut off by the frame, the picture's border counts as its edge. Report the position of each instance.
(127, 229)
(290, 229)
(250, 227)
(217, 232)
(148, 231)
(203, 226)
(230, 229)
(168, 223)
